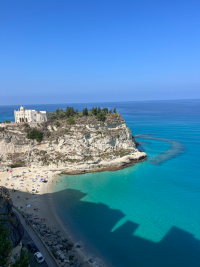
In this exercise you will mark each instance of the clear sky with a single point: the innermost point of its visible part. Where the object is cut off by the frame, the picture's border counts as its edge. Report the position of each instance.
(65, 51)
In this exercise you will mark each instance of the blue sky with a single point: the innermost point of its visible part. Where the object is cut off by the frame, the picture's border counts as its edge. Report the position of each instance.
(92, 51)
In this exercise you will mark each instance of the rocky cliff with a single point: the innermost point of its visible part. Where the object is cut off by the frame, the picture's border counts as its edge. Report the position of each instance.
(87, 145)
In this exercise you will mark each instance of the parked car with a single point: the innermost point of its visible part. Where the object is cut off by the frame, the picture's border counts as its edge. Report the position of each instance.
(32, 247)
(39, 258)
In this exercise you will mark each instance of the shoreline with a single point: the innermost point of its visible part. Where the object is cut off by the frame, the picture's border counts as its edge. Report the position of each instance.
(84, 253)
(42, 201)
(102, 169)
(45, 199)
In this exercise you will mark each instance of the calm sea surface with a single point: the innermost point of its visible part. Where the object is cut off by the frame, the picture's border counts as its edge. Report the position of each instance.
(147, 214)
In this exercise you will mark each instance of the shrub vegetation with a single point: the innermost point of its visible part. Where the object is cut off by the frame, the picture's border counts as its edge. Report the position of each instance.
(35, 134)
(57, 123)
(101, 117)
(71, 121)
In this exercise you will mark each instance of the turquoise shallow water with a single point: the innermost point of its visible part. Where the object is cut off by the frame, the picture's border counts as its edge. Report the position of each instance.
(147, 214)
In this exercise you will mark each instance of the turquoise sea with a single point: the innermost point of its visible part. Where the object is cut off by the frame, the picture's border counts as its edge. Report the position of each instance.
(147, 215)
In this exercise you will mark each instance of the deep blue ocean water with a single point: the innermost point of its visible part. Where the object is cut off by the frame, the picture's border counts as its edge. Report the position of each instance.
(147, 214)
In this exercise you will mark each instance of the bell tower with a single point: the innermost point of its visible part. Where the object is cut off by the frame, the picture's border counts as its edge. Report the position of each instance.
(22, 108)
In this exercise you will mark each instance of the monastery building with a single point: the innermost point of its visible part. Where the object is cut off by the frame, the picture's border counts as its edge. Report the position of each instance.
(28, 115)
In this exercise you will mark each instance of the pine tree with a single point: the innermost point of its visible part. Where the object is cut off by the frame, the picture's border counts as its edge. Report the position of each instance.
(85, 112)
(95, 111)
(67, 112)
(71, 111)
(105, 110)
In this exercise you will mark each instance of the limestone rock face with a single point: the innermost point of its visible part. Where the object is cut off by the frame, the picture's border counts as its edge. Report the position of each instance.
(87, 145)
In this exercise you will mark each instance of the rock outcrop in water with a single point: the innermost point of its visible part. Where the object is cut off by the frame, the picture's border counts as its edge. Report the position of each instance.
(176, 149)
(87, 145)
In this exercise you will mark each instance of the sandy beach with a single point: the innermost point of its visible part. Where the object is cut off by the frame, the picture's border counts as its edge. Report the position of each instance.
(31, 195)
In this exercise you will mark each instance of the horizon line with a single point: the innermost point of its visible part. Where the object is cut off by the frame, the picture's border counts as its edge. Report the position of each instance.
(180, 99)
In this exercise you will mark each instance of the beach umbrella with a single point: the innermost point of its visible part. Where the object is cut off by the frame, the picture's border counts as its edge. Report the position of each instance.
(33, 189)
(41, 179)
(10, 171)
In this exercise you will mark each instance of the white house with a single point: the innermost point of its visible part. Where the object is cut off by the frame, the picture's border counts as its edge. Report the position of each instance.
(28, 115)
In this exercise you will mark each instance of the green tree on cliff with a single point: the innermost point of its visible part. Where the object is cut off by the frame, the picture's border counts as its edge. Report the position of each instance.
(105, 111)
(35, 134)
(85, 112)
(101, 117)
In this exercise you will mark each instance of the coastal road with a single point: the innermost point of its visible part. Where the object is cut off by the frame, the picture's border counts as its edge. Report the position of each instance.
(30, 235)
(26, 238)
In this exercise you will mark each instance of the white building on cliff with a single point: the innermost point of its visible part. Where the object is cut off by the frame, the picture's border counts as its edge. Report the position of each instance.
(28, 115)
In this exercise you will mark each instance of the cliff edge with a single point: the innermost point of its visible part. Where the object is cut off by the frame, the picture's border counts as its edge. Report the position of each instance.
(75, 145)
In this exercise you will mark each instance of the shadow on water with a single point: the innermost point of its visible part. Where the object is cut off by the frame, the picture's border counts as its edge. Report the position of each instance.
(96, 221)
(176, 149)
